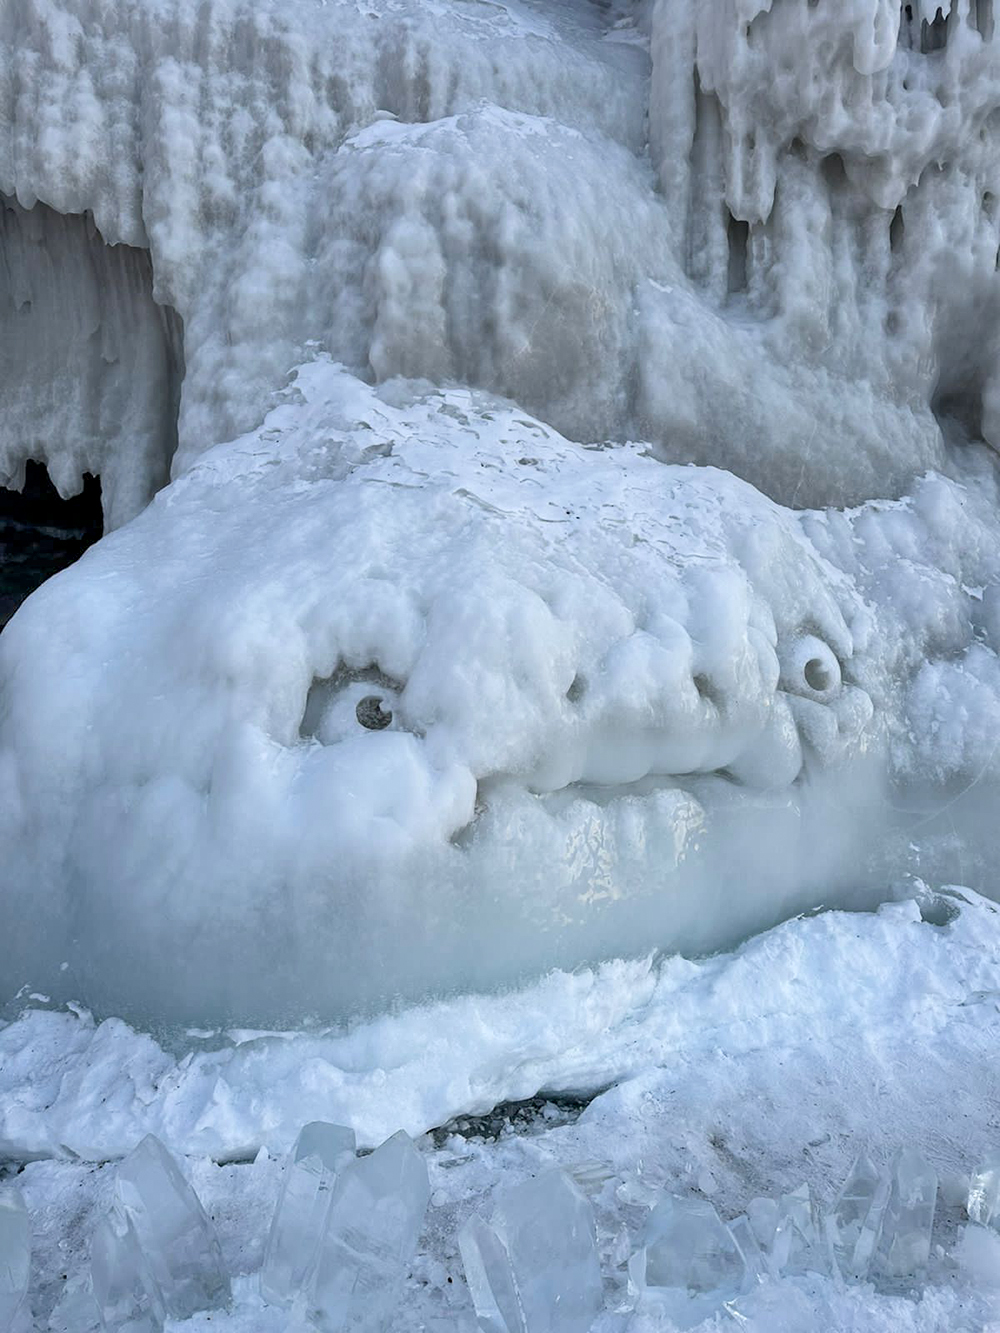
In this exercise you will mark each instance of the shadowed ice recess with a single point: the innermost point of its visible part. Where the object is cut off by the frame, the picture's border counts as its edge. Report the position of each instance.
(459, 615)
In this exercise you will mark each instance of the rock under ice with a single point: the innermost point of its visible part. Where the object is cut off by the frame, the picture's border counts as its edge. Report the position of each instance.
(418, 672)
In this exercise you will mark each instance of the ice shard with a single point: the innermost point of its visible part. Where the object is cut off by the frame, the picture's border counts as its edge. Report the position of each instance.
(796, 1247)
(984, 1192)
(742, 1233)
(15, 1256)
(176, 1236)
(686, 1246)
(127, 1295)
(376, 1210)
(853, 1224)
(905, 1244)
(320, 1150)
(533, 1268)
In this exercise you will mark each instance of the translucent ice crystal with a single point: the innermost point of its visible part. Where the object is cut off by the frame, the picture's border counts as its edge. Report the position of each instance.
(984, 1192)
(297, 1227)
(126, 1293)
(853, 1224)
(533, 1268)
(905, 1244)
(175, 1234)
(742, 1233)
(687, 1246)
(796, 1247)
(376, 1210)
(15, 1255)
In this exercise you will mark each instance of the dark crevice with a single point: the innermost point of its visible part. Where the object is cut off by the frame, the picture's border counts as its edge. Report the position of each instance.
(934, 35)
(982, 15)
(897, 229)
(738, 233)
(41, 533)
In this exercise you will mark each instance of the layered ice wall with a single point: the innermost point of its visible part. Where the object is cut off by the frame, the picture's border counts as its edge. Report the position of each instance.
(831, 174)
(430, 676)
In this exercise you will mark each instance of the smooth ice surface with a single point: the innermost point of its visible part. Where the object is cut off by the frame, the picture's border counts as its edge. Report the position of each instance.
(15, 1255)
(853, 1224)
(310, 1170)
(687, 1247)
(127, 1294)
(905, 1242)
(372, 1227)
(983, 1205)
(178, 1241)
(534, 1265)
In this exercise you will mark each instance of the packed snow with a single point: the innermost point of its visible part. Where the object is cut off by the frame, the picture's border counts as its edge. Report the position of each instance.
(541, 676)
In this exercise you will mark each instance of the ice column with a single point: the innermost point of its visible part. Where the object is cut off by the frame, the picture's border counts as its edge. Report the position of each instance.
(377, 1208)
(293, 1242)
(984, 1192)
(853, 1224)
(905, 1245)
(533, 1268)
(176, 1237)
(15, 1256)
(127, 1294)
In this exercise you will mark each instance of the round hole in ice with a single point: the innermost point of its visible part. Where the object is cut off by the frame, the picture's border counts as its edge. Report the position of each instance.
(371, 714)
(818, 675)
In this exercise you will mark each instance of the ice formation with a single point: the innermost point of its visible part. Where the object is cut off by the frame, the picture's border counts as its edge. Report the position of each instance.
(420, 673)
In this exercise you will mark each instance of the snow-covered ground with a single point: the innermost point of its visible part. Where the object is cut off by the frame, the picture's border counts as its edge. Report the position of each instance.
(743, 1074)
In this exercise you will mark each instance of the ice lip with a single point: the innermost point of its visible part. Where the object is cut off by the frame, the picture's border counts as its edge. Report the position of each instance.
(189, 709)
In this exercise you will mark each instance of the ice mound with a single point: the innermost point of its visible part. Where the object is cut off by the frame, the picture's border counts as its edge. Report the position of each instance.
(399, 673)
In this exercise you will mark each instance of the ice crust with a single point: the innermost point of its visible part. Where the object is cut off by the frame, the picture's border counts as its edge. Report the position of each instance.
(612, 677)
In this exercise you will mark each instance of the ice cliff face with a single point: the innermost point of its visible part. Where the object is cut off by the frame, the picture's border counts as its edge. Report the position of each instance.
(405, 686)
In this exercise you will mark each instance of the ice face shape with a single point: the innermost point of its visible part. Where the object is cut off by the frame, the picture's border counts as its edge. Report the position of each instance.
(566, 648)
(15, 1255)
(296, 1231)
(177, 1240)
(372, 1227)
(534, 1268)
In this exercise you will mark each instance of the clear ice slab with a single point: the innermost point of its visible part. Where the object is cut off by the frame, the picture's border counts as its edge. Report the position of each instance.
(689, 1261)
(126, 1293)
(905, 1243)
(983, 1205)
(853, 1224)
(797, 1247)
(176, 1236)
(376, 1211)
(15, 1257)
(310, 1170)
(533, 1268)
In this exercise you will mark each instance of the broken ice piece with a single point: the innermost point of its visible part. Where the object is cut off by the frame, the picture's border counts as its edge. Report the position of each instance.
(297, 1227)
(853, 1224)
(753, 1257)
(796, 1247)
(764, 1216)
(376, 1211)
(983, 1206)
(905, 1243)
(176, 1236)
(15, 1255)
(126, 1293)
(534, 1265)
(591, 1175)
(687, 1246)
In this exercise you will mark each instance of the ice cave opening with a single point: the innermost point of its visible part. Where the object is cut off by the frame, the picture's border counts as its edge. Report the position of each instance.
(91, 364)
(41, 533)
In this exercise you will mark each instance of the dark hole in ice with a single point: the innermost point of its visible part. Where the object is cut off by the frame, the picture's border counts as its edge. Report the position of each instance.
(371, 714)
(982, 11)
(939, 911)
(41, 533)
(739, 240)
(817, 675)
(934, 35)
(897, 229)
